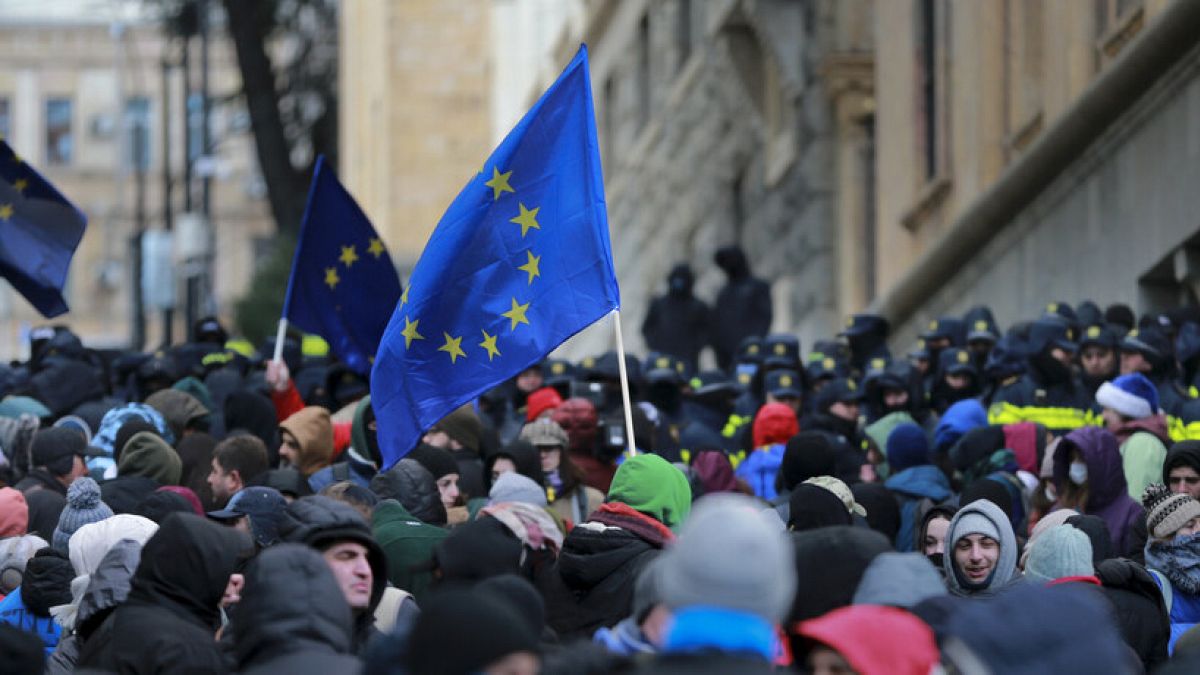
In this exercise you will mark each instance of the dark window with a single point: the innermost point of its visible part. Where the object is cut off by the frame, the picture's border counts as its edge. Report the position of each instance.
(683, 30)
(643, 73)
(870, 234)
(59, 140)
(137, 133)
(929, 85)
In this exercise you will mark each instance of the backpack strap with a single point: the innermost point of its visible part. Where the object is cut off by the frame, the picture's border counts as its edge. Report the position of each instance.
(1164, 585)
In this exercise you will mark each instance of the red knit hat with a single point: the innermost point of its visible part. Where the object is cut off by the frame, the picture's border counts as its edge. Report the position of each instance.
(14, 513)
(774, 423)
(540, 401)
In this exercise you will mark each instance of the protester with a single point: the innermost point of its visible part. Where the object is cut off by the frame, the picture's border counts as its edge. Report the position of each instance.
(1090, 478)
(1173, 554)
(1132, 414)
(981, 557)
(899, 643)
(235, 461)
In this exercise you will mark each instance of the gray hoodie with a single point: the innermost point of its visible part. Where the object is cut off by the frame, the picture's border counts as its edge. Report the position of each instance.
(982, 516)
(899, 580)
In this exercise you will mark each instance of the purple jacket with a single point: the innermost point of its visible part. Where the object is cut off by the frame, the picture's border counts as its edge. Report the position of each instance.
(1108, 496)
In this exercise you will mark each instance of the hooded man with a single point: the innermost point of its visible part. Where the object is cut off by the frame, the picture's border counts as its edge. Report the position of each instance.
(677, 323)
(593, 584)
(169, 622)
(361, 461)
(1132, 414)
(346, 542)
(981, 557)
(743, 306)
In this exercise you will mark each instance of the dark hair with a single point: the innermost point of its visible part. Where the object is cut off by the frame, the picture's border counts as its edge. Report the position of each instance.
(242, 453)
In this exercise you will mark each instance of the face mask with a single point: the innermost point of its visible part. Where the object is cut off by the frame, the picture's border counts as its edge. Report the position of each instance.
(1078, 473)
(936, 559)
(1050, 493)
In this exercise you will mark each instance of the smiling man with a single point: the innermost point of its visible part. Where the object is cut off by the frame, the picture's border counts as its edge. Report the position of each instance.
(982, 551)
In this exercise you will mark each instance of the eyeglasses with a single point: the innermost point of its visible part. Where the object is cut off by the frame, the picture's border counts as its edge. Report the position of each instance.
(1179, 480)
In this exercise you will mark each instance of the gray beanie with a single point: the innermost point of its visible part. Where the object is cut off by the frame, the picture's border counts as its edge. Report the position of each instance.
(83, 507)
(513, 487)
(708, 564)
(899, 580)
(1062, 551)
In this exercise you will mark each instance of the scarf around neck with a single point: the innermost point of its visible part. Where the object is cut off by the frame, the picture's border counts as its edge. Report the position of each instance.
(1179, 560)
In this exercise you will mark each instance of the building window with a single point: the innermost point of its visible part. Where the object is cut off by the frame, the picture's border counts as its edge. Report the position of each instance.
(866, 158)
(59, 139)
(683, 31)
(1023, 71)
(643, 72)
(137, 133)
(195, 127)
(609, 129)
(5, 119)
(929, 85)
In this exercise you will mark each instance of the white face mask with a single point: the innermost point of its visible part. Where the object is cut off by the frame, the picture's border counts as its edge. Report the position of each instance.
(1078, 473)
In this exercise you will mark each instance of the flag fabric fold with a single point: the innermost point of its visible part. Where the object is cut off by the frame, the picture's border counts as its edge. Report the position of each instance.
(343, 285)
(520, 262)
(39, 232)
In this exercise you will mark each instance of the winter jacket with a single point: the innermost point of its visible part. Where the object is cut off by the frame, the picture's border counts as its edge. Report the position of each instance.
(15, 612)
(1185, 609)
(293, 617)
(123, 494)
(760, 468)
(1140, 612)
(592, 585)
(408, 544)
(742, 309)
(107, 589)
(677, 323)
(1108, 495)
(910, 487)
(319, 521)
(1047, 394)
(414, 487)
(169, 621)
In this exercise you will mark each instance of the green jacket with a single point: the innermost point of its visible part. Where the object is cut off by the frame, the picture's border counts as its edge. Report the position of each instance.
(407, 542)
(1142, 457)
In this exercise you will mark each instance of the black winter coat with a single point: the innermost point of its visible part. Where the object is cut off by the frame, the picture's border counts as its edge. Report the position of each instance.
(414, 487)
(169, 622)
(677, 324)
(293, 618)
(594, 584)
(1141, 613)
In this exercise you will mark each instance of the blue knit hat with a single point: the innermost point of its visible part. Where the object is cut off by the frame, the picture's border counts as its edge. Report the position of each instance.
(1131, 395)
(83, 507)
(907, 447)
(1061, 552)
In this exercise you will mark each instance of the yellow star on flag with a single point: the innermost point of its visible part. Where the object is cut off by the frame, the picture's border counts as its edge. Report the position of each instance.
(20, 184)
(499, 183)
(410, 332)
(6, 211)
(489, 344)
(331, 277)
(376, 248)
(404, 297)
(348, 256)
(517, 314)
(453, 347)
(527, 219)
(531, 267)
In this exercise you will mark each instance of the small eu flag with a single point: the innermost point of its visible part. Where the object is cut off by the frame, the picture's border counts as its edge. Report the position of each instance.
(39, 232)
(343, 285)
(520, 262)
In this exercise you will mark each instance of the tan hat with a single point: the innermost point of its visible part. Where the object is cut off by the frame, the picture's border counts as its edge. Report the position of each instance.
(544, 433)
(841, 491)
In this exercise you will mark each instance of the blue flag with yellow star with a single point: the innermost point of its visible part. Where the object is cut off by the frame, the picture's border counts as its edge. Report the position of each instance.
(520, 262)
(343, 284)
(39, 232)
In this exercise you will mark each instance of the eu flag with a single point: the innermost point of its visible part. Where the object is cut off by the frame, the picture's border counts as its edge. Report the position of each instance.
(39, 232)
(343, 285)
(520, 262)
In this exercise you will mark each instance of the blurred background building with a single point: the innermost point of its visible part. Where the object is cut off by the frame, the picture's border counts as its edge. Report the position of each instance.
(911, 157)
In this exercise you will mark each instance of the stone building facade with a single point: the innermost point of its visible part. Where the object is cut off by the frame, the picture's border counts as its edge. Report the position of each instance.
(76, 84)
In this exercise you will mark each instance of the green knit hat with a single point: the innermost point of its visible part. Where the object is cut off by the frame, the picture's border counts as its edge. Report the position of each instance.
(649, 484)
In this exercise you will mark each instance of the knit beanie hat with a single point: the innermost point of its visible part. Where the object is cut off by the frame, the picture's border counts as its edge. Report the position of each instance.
(707, 564)
(513, 487)
(1062, 551)
(1166, 512)
(463, 425)
(539, 401)
(14, 513)
(83, 507)
(774, 423)
(808, 454)
(907, 447)
(1132, 395)
(974, 523)
(148, 455)
(437, 461)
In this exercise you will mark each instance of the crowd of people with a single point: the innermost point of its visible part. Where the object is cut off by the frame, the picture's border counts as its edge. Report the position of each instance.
(1025, 501)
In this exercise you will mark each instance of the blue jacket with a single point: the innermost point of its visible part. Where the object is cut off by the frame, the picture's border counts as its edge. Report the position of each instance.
(760, 467)
(1184, 609)
(354, 469)
(911, 486)
(14, 613)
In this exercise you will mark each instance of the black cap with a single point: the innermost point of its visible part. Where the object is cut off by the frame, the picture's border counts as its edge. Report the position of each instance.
(1098, 335)
(865, 324)
(781, 350)
(252, 501)
(58, 442)
(1063, 311)
(750, 349)
(875, 368)
(664, 368)
(948, 327)
(981, 325)
(1151, 342)
(956, 361)
(843, 390)
(557, 371)
(783, 383)
(714, 382)
(1051, 330)
(822, 367)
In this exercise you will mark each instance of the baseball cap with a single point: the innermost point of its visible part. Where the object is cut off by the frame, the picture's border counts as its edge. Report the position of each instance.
(783, 383)
(251, 501)
(544, 433)
(841, 491)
